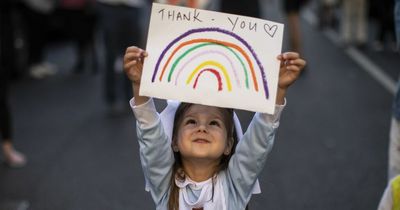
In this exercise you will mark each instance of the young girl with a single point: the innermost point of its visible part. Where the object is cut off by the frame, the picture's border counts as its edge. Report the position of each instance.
(200, 163)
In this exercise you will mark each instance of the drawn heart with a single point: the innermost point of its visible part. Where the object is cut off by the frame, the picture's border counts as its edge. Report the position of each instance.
(270, 30)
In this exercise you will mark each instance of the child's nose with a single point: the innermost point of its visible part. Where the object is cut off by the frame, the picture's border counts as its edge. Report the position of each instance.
(202, 127)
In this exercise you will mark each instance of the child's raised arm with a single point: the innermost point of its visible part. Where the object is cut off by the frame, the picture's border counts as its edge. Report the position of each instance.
(290, 69)
(133, 66)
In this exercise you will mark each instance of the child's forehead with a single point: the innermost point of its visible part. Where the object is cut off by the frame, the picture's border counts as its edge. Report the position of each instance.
(204, 110)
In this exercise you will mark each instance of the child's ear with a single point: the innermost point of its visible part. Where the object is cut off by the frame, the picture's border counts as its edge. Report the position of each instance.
(174, 146)
(229, 146)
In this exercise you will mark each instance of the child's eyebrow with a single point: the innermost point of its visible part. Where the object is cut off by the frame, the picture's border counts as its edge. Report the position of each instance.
(217, 116)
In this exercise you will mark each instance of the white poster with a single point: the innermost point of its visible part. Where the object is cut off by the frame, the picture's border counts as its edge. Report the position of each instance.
(212, 58)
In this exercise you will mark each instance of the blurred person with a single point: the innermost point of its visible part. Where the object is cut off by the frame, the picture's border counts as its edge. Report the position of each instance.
(326, 14)
(37, 15)
(76, 20)
(12, 157)
(391, 197)
(354, 23)
(394, 135)
(385, 35)
(397, 22)
(292, 10)
(242, 7)
(394, 146)
(119, 21)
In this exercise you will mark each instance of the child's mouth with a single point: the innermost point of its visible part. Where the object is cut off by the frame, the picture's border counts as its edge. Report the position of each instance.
(201, 141)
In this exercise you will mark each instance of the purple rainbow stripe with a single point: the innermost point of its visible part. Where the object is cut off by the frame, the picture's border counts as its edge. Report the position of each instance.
(202, 30)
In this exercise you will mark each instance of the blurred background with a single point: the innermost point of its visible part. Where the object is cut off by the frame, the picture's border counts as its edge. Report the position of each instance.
(69, 138)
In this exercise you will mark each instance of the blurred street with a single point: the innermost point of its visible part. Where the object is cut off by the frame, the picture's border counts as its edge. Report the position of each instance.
(330, 152)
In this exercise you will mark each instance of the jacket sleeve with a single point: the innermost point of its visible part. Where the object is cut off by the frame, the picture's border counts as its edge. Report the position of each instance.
(251, 154)
(156, 155)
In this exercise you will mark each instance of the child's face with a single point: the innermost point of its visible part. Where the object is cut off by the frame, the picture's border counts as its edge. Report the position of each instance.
(202, 134)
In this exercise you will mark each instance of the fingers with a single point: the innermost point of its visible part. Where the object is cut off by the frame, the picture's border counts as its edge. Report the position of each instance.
(134, 55)
(297, 63)
(134, 49)
(291, 60)
(288, 56)
(130, 64)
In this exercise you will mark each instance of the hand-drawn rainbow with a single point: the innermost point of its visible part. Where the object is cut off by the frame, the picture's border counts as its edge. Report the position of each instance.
(189, 45)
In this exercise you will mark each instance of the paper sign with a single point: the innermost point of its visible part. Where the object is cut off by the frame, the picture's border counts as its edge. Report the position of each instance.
(212, 58)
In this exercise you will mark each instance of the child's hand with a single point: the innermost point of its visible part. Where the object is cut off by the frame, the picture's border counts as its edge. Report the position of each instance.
(133, 64)
(290, 69)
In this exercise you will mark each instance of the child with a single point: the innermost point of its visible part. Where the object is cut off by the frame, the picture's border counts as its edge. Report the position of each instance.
(201, 164)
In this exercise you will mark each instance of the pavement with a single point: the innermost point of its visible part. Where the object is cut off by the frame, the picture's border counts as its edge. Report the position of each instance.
(330, 151)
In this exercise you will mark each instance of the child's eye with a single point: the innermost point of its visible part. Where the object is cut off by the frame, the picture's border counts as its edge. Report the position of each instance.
(214, 122)
(190, 121)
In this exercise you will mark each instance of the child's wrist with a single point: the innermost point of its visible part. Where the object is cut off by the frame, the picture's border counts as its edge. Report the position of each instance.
(280, 96)
(135, 85)
(135, 88)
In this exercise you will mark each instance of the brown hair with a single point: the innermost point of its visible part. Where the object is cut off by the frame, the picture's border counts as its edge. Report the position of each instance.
(177, 171)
